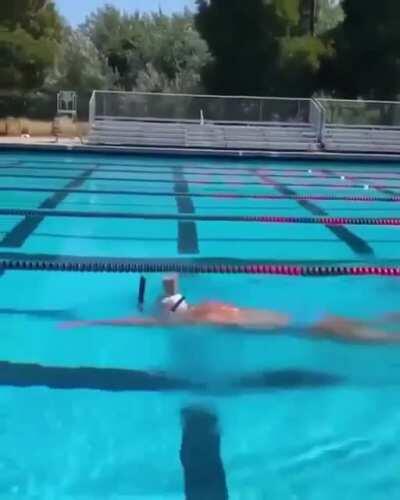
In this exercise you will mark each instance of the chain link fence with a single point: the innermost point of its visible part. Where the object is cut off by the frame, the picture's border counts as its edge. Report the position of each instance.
(340, 112)
(199, 108)
(40, 106)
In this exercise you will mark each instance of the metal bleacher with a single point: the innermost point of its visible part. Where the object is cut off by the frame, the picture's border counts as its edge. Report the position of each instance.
(361, 126)
(243, 123)
(211, 122)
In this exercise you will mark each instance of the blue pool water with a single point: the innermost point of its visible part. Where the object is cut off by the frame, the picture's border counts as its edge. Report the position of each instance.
(194, 413)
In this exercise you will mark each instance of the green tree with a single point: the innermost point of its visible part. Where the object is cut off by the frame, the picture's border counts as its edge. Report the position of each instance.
(79, 65)
(261, 47)
(301, 51)
(174, 54)
(367, 43)
(300, 63)
(29, 33)
(149, 52)
(243, 40)
(114, 36)
(329, 15)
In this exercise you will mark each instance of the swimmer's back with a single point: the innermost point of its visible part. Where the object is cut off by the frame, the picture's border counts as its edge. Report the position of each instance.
(215, 312)
(218, 313)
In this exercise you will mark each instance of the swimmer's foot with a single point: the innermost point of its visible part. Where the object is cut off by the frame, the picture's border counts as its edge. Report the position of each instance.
(389, 318)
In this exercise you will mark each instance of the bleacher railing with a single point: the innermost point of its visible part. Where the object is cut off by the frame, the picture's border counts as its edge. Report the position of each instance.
(143, 106)
(92, 109)
(360, 114)
(322, 114)
(317, 118)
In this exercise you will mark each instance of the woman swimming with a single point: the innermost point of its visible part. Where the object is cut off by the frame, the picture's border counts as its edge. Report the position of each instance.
(173, 309)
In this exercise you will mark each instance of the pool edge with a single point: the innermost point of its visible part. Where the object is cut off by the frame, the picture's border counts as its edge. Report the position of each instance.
(196, 152)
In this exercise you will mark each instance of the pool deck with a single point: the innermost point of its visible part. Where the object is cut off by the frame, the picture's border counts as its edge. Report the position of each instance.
(75, 144)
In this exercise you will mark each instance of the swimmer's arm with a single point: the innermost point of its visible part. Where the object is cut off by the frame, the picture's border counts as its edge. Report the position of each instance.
(123, 322)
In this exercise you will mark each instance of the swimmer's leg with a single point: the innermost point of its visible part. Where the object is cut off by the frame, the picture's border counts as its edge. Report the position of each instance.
(345, 330)
(389, 318)
(124, 322)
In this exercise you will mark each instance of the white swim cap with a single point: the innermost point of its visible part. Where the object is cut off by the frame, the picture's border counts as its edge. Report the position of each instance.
(175, 303)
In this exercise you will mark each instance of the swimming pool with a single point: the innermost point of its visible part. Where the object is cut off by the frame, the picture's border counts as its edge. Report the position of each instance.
(109, 413)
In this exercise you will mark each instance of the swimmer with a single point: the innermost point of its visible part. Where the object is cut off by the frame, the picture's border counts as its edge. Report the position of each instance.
(173, 309)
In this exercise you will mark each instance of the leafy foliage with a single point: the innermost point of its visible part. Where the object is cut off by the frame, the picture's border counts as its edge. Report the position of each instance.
(261, 47)
(264, 47)
(367, 42)
(329, 15)
(79, 65)
(114, 36)
(242, 37)
(301, 59)
(150, 52)
(29, 32)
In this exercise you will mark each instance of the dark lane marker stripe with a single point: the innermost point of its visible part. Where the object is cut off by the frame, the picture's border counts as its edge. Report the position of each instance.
(55, 314)
(357, 244)
(200, 456)
(21, 232)
(114, 380)
(123, 380)
(188, 242)
(289, 379)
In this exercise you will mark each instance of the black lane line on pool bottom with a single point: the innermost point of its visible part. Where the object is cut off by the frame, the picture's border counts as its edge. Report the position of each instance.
(124, 380)
(200, 454)
(357, 244)
(55, 314)
(21, 232)
(188, 242)
(109, 379)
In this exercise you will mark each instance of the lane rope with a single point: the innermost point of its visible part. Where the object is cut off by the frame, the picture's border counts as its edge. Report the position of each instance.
(205, 182)
(124, 267)
(328, 221)
(344, 169)
(201, 173)
(391, 199)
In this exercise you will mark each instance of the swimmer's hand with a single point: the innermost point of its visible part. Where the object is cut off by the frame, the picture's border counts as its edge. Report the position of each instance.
(134, 321)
